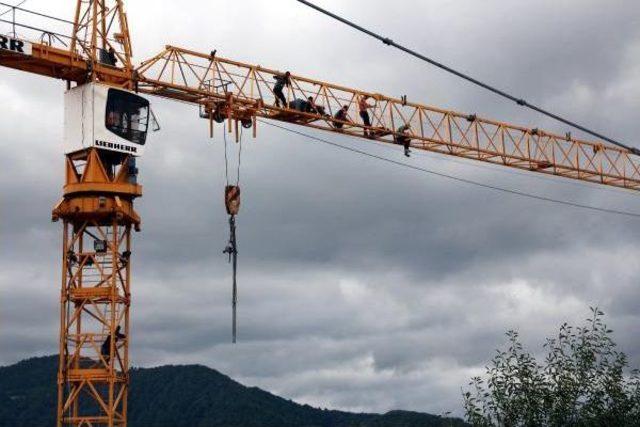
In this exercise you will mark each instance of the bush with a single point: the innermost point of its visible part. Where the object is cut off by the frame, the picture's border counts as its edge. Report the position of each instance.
(584, 381)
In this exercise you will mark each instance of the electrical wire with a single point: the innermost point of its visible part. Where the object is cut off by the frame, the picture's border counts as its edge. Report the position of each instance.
(520, 101)
(512, 171)
(458, 179)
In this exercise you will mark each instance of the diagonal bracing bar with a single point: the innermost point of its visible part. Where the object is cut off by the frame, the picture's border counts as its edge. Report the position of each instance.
(230, 89)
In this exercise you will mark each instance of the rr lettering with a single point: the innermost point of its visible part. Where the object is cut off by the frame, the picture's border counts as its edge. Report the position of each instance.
(16, 46)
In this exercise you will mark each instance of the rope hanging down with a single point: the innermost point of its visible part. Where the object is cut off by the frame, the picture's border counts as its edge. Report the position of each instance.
(232, 251)
(521, 102)
(232, 204)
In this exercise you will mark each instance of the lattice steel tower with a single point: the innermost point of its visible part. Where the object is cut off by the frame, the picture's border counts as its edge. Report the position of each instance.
(98, 215)
(105, 129)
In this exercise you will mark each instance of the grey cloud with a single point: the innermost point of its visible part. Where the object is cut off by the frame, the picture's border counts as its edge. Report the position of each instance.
(362, 285)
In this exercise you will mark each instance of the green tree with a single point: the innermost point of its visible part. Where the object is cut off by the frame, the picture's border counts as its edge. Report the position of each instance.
(583, 381)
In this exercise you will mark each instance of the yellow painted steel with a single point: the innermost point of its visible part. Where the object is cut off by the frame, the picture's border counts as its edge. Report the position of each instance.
(242, 91)
(93, 374)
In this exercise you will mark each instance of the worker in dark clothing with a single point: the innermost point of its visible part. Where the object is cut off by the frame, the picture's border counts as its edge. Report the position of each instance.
(341, 115)
(113, 60)
(312, 107)
(299, 104)
(281, 82)
(106, 345)
(363, 106)
(402, 138)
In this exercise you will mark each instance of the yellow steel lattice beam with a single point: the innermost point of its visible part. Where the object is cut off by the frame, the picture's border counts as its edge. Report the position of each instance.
(241, 91)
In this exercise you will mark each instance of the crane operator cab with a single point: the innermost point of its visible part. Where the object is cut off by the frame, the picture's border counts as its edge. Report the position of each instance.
(110, 119)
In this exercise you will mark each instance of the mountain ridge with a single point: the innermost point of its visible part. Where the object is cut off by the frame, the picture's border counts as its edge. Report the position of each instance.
(186, 395)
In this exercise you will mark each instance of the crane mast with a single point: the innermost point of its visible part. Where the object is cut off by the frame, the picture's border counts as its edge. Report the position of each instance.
(98, 216)
(97, 211)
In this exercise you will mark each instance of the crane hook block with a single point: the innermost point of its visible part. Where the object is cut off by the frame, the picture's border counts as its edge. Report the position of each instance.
(232, 199)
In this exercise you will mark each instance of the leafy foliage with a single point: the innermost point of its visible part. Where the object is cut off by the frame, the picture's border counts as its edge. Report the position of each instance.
(194, 396)
(583, 382)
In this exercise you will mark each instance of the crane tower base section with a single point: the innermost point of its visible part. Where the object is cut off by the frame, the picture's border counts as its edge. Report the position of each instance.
(98, 216)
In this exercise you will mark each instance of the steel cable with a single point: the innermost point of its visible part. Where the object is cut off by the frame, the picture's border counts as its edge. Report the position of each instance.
(458, 179)
(520, 101)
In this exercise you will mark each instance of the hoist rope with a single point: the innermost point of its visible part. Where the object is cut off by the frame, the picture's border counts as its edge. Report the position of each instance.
(521, 102)
(232, 246)
(226, 158)
(232, 250)
(239, 156)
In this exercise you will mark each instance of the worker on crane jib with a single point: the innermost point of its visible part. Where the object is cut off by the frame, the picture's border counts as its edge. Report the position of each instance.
(281, 82)
(299, 104)
(363, 106)
(307, 106)
(315, 108)
(341, 116)
(402, 138)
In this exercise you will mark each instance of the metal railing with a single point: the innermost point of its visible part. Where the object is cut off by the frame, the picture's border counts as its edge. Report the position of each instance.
(34, 26)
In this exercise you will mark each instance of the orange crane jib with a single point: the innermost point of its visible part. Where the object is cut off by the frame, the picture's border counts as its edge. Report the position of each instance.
(227, 89)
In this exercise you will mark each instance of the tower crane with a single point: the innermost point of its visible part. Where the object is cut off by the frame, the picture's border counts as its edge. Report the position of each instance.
(107, 120)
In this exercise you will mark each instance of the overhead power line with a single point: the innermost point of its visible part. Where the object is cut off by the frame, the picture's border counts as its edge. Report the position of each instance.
(458, 179)
(520, 101)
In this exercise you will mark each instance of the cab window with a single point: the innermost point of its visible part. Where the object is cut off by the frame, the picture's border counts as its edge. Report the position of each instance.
(127, 115)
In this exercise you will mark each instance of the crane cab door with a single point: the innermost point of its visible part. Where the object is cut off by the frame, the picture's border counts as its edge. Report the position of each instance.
(108, 118)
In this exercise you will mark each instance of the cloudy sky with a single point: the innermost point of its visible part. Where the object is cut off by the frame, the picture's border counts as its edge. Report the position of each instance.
(363, 285)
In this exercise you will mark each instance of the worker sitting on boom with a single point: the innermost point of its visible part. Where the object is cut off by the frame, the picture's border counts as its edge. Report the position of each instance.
(299, 104)
(106, 345)
(401, 138)
(312, 107)
(281, 82)
(341, 115)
